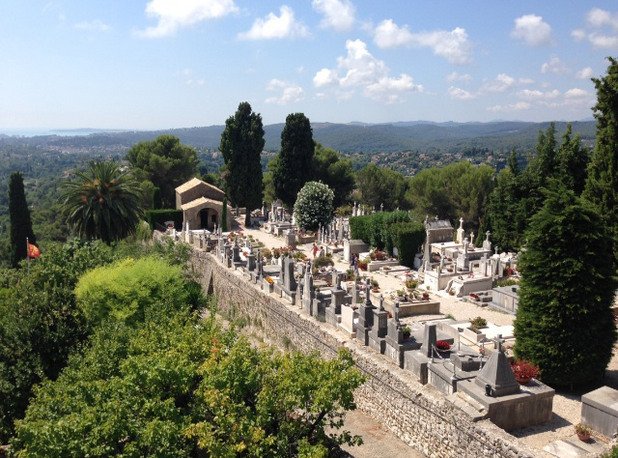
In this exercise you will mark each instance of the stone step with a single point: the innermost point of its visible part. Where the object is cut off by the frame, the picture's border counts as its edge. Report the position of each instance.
(566, 449)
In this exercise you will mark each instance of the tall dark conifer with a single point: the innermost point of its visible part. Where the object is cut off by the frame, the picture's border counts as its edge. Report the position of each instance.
(602, 183)
(21, 225)
(295, 161)
(242, 142)
(564, 321)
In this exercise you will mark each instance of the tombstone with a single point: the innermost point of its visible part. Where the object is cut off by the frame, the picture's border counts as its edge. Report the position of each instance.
(236, 255)
(290, 238)
(496, 376)
(382, 207)
(378, 331)
(463, 261)
(396, 345)
(487, 242)
(250, 261)
(429, 340)
(289, 282)
(333, 311)
(484, 265)
(281, 277)
(365, 317)
(459, 237)
(354, 293)
(308, 290)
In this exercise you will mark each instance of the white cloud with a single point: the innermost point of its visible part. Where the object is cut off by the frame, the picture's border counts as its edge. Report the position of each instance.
(274, 27)
(575, 93)
(389, 35)
(173, 15)
(95, 25)
(511, 107)
(554, 65)
(603, 41)
(525, 81)
(584, 73)
(531, 29)
(501, 83)
(289, 92)
(452, 45)
(578, 34)
(338, 14)
(454, 76)
(461, 94)
(190, 79)
(598, 18)
(534, 95)
(359, 69)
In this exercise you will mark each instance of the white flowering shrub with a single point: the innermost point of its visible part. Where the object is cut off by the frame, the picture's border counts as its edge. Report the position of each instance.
(314, 205)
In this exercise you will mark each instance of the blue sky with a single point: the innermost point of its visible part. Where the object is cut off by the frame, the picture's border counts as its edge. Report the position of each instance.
(182, 63)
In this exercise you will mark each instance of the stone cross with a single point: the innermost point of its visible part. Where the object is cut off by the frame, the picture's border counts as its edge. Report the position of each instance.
(498, 341)
(381, 302)
(396, 315)
(382, 207)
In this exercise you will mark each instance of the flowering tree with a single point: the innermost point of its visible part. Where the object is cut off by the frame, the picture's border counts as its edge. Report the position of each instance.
(314, 205)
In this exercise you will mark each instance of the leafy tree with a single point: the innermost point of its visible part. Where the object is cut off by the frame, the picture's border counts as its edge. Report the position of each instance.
(332, 169)
(381, 185)
(314, 205)
(167, 163)
(602, 184)
(21, 225)
(40, 324)
(242, 142)
(131, 290)
(102, 202)
(564, 322)
(295, 160)
(451, 192)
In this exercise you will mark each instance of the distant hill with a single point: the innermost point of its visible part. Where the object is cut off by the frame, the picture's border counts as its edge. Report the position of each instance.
(417, 136)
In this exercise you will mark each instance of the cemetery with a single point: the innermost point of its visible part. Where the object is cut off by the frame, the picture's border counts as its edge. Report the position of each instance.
(323, 290)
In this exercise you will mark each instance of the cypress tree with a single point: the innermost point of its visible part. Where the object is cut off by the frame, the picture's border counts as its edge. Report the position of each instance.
(602, 182)
(224, 227)
(564, 322)
(21, 225)
(295, 161)
(242, 142)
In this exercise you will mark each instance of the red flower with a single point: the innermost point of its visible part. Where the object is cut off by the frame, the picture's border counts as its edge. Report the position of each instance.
(443, 345)
(524, 369)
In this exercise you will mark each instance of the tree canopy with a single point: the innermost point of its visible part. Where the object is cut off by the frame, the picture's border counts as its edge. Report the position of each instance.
(242, 142)
(102, 202)
(314, 205)
(295, 160)
(167, 163)
(334, 170)
(564, 321)
(381, 185)
(21, 224)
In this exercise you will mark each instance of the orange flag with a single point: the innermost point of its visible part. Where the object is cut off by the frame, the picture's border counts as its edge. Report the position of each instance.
(33, 251)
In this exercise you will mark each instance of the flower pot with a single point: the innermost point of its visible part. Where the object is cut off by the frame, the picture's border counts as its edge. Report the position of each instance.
(584, 437)
(523, 380)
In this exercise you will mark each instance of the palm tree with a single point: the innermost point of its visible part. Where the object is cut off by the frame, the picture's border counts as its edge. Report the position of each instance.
(102, 202)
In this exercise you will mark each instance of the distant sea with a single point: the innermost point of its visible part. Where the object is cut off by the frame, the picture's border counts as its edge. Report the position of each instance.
(60, 132)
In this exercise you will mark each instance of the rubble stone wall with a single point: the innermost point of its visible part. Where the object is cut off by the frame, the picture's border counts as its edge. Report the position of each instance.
(418, 414)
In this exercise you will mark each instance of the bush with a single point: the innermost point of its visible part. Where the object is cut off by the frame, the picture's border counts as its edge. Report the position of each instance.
(314, 205)
(157, 218)
(408, 238)
(131, 290)
(359, 228)
(478, 323)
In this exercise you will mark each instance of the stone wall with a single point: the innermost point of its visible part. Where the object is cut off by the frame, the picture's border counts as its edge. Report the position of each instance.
(418, 414)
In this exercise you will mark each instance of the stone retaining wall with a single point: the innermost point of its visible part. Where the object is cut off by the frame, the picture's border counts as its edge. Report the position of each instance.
(418, 414)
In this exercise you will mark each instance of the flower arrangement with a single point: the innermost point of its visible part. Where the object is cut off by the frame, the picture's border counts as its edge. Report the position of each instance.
(362, 264)
(524, 371)
(406, 331)
(267, 254)
(411, 284)
(378, 255)
(269, 280)
(478, 323)
(443, 345)
(583, 432)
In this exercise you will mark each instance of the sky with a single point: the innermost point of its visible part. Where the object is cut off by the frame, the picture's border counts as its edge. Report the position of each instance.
(153, 64)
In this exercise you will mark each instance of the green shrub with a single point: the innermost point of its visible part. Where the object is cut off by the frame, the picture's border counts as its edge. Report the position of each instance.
(478, 323)
(408, 238)
(157, 218)
(130, 290)
(359, 228)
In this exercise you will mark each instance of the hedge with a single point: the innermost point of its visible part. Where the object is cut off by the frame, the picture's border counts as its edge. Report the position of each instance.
(387, 230)
(157, 218)
(408, 238)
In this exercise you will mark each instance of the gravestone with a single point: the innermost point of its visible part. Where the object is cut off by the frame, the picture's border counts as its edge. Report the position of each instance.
(289, 281)
(308, 290)
(365, 317)
(497, 375)
(251, 262)
(333, 311)
(379, 328)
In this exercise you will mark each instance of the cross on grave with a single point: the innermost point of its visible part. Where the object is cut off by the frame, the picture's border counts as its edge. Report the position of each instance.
(498, 341)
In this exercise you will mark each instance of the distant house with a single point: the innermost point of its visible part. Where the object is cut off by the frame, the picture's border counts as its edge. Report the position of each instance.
(201, 204)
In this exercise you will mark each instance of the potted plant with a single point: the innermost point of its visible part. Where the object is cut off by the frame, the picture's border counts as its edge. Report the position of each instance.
(406, 331)
(478, 323)
(425, 296)
(524, 371)
(443, 347)
(411, 284)
(583, 432)
(375, 286)
(362, 264)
